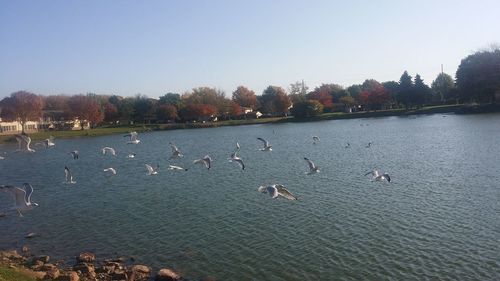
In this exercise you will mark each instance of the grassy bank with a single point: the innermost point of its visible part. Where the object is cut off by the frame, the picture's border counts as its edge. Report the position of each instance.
(11, 274)
(108, 130)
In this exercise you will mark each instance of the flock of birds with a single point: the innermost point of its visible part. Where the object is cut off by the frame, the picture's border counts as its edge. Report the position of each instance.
(22, 194)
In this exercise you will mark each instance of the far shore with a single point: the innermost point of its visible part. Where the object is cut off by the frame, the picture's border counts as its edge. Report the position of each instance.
(140, 128)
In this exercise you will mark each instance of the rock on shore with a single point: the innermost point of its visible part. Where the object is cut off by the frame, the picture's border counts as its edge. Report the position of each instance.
(86, 268)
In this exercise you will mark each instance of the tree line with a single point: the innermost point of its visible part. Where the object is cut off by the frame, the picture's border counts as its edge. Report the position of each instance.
(477, 80)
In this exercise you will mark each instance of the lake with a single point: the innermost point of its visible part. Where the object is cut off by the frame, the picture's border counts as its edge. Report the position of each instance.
(439, 218)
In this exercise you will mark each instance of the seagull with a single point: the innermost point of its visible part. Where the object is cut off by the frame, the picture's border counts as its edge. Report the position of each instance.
(369, 145)
(276, 190)
(237, 146)
(267, 146)
(108, 150)
(313, 169)
(238, 160)
(376, 176)
(151, 170)
(315, 139)
(132, 138)
(132, 155)
(49, 142)
(74, 153)
(69, 176)
(24, 143)
(111, 170)
(205, 160)
(22, 197)
(348, 145)
(177, 168)
(176, 153)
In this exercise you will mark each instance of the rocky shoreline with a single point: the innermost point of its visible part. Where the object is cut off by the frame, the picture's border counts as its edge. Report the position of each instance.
(86, 268)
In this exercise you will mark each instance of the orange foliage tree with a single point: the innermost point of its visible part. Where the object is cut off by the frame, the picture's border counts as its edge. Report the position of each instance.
(22, 106)
(86, 108)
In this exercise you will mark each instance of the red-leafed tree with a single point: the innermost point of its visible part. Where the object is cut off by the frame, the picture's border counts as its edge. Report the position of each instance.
(245, 97)
(375, 96)
(22, 106)
(86, 108)
(197, 111)
(236, 110)
(323, 96)
(110, 112)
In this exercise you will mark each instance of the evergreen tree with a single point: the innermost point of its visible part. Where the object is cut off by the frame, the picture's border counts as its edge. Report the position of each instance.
(442, 87)
(421, 92)
(405, 90)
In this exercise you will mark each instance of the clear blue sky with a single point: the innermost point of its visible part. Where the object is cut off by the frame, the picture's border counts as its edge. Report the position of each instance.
(155, 47)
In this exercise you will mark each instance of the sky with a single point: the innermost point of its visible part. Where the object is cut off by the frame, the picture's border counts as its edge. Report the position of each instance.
(155, 47)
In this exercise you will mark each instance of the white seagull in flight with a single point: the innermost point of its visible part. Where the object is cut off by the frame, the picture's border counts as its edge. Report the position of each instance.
(313, 169)
(108, 150)
(236, 159)
(111, 170)
(276, 190)
(24, 143)
(151, 170)
(176, 168)
(69, 176)
(377, 176)
(207, 161)
(22, 197)
(267, 146)
(176, 153)
(74, 153)
(132, 138)
(315, 139)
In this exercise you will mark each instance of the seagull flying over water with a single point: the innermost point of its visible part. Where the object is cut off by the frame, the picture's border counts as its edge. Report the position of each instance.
(236, 159)
(267, 146)
(276, 190)
(132, 138)
(237, 146)
(132, 155)
(207, 161)
(176, 168)
(313, 169)
(111, 170)
(49, 142)
(377, 176)
(22, 197)
(69, 176)
(315, 139)
(108, 150)
(24, 143)
(151, 170)
(369, 145)
(74, 153)
(176, 153)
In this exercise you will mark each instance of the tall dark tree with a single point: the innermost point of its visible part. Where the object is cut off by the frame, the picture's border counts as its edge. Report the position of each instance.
(308, 108)
(144, 108)
(354, 90)
(421, 92)
(478, 76)
(392, 89)
(274, 100)
(22, 106)
(405, 90)
(171, 98)
(442, 87)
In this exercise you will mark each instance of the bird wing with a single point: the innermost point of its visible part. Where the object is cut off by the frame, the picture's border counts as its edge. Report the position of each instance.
(264, 141)
(237, 146)
(240, 162)
(284, 192)
(262, 189)
(150, 169)
(311, 164)
(208, 161)
(28, 190)
(386, 175)
(174, 148)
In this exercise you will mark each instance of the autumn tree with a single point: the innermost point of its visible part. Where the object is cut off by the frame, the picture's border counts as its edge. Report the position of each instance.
(208, 96)
(354, 90)
(85, 108)
(274, 100)
(478, 76)
(374, 95)
(197, 111)
(110, 112)
(22, 106)
(348, 102)
(442, 87)
(166, 112)
(245, 97)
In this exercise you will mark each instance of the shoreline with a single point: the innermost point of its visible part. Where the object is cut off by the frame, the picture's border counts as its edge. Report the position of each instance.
(110, 130)
(28, 266)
